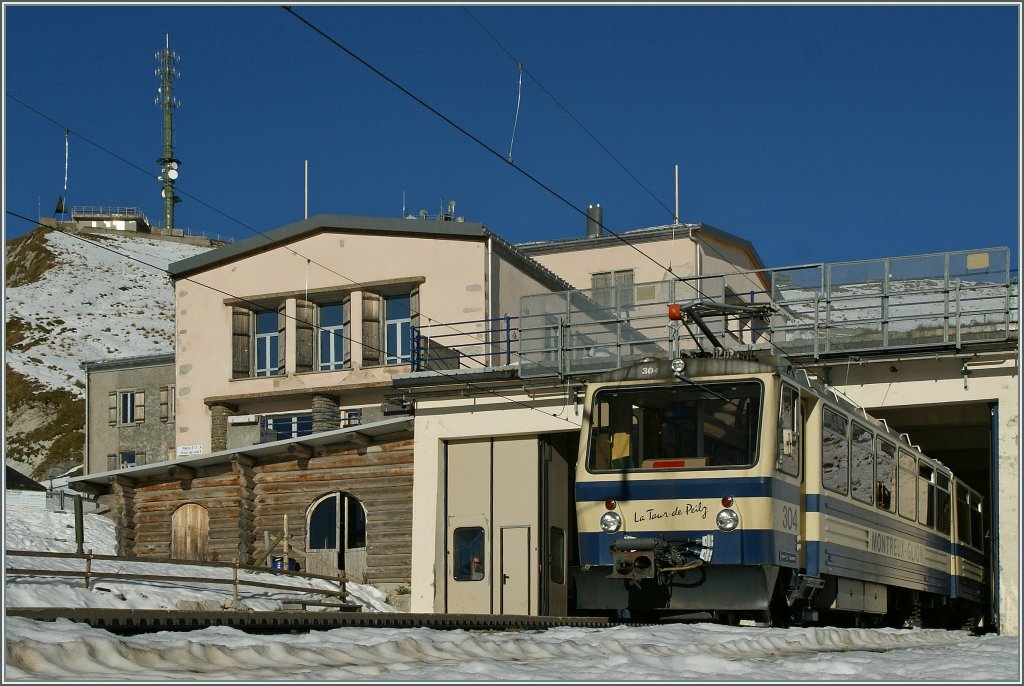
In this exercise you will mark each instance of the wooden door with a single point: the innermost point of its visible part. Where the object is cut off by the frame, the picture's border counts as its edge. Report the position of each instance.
(190, 532)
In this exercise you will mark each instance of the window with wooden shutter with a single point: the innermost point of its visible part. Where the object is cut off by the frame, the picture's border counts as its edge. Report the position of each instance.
(241, 343)
(112, 462)
(164, 403)
(140, 406)
(282, 325)
(112, 412)
(305, 339)
(140, 458)
(346, 320)
(371, 330)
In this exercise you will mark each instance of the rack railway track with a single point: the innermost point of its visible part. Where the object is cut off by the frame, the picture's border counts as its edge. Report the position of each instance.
(128, 622)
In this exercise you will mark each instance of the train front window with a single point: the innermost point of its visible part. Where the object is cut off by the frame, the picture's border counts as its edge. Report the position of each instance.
(675, 427)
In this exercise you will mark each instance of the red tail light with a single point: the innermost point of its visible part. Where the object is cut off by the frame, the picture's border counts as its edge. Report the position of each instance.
(610, 504)
(726, 501)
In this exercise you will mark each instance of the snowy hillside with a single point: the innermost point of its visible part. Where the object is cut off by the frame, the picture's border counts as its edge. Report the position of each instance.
(71, 298)
(91, 304)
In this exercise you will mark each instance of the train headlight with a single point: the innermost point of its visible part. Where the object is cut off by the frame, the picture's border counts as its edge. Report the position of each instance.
(727, 520)
(611, 522)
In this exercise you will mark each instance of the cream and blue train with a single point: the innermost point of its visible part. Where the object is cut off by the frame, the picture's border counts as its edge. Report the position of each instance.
(735, 490)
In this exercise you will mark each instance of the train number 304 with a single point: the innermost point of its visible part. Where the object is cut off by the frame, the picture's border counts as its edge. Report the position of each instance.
(790, 518)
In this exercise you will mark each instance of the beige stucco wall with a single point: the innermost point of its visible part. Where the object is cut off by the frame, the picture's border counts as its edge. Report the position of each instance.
(478, 417)
(930, 381)
(576, 266)
(453, 282)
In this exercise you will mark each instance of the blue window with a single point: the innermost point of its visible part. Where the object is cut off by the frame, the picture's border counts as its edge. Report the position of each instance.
(332, 337)
(281, 427)
(266, 344)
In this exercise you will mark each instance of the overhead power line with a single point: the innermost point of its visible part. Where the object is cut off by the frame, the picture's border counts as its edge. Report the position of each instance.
(259, 308)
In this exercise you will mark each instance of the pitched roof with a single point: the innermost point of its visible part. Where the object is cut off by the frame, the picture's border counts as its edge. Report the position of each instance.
(16, 481)
(381, 225)
(639, 236)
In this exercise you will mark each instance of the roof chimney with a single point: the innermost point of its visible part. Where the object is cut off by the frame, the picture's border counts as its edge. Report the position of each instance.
(594, 221)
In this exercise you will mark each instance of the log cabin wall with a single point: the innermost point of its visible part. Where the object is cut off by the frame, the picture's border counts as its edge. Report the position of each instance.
(379, 475)
(246, 496)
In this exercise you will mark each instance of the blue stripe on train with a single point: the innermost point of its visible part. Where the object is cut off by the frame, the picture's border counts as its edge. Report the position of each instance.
(620, 487)
(756, 547)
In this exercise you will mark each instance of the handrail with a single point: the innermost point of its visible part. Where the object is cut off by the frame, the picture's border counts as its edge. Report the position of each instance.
(234, 581)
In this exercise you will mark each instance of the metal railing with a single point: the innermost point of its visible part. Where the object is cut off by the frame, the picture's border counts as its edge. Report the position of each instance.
(936, 300)
(942, 299)
(476, 343)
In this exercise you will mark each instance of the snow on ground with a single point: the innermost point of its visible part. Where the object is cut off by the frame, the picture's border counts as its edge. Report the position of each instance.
(66, 651)
(95, 304)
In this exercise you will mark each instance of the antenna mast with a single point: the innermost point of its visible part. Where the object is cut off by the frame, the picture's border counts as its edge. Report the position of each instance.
(167, 70)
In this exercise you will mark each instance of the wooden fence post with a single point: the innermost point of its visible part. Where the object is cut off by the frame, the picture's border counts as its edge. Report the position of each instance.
(88, 567)
(286, 549)
(234, 580)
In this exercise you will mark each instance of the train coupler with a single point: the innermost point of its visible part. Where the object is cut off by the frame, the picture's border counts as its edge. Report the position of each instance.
(658, 558)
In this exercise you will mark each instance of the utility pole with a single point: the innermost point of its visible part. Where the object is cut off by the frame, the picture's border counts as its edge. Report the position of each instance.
(167, 71)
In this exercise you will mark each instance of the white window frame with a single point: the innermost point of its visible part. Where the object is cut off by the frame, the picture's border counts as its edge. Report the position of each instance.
(336, 341)
(264, 340)
(125, 413)
(403, 355)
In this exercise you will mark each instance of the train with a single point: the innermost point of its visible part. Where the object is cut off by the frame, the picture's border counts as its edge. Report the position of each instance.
(738, 489)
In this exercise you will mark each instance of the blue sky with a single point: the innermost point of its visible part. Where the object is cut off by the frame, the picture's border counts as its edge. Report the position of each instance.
(824, 133)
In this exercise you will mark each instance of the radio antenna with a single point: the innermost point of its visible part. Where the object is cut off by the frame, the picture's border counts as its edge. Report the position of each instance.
(167, 70)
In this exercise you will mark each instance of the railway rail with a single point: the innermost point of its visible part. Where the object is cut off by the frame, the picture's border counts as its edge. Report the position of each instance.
(129, 622)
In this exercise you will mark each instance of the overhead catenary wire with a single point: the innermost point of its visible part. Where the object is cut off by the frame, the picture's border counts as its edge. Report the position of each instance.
(443, 117)
(491, 150)
(257, 307)
(199, 200)
(468, 134)
(564, 108)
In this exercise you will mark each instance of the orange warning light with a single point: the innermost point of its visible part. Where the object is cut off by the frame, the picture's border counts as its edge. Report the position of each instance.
(675, 312)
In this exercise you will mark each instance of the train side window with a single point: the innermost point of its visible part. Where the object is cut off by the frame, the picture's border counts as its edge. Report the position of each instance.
(885, 476)
(943, 504)
(789, 431)
(908, 485)
(963, 516)
(862, 463)
(926, 495)
(835, 453)
(468, 553)
(977, 523)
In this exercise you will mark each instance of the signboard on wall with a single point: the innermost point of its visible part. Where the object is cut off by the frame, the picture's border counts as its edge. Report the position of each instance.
(185, 450)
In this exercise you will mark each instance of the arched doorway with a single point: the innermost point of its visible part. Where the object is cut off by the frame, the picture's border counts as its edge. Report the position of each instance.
(336, 536)
(190, 532)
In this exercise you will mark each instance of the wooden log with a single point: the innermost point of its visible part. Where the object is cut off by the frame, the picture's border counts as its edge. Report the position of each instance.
(351, 474)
